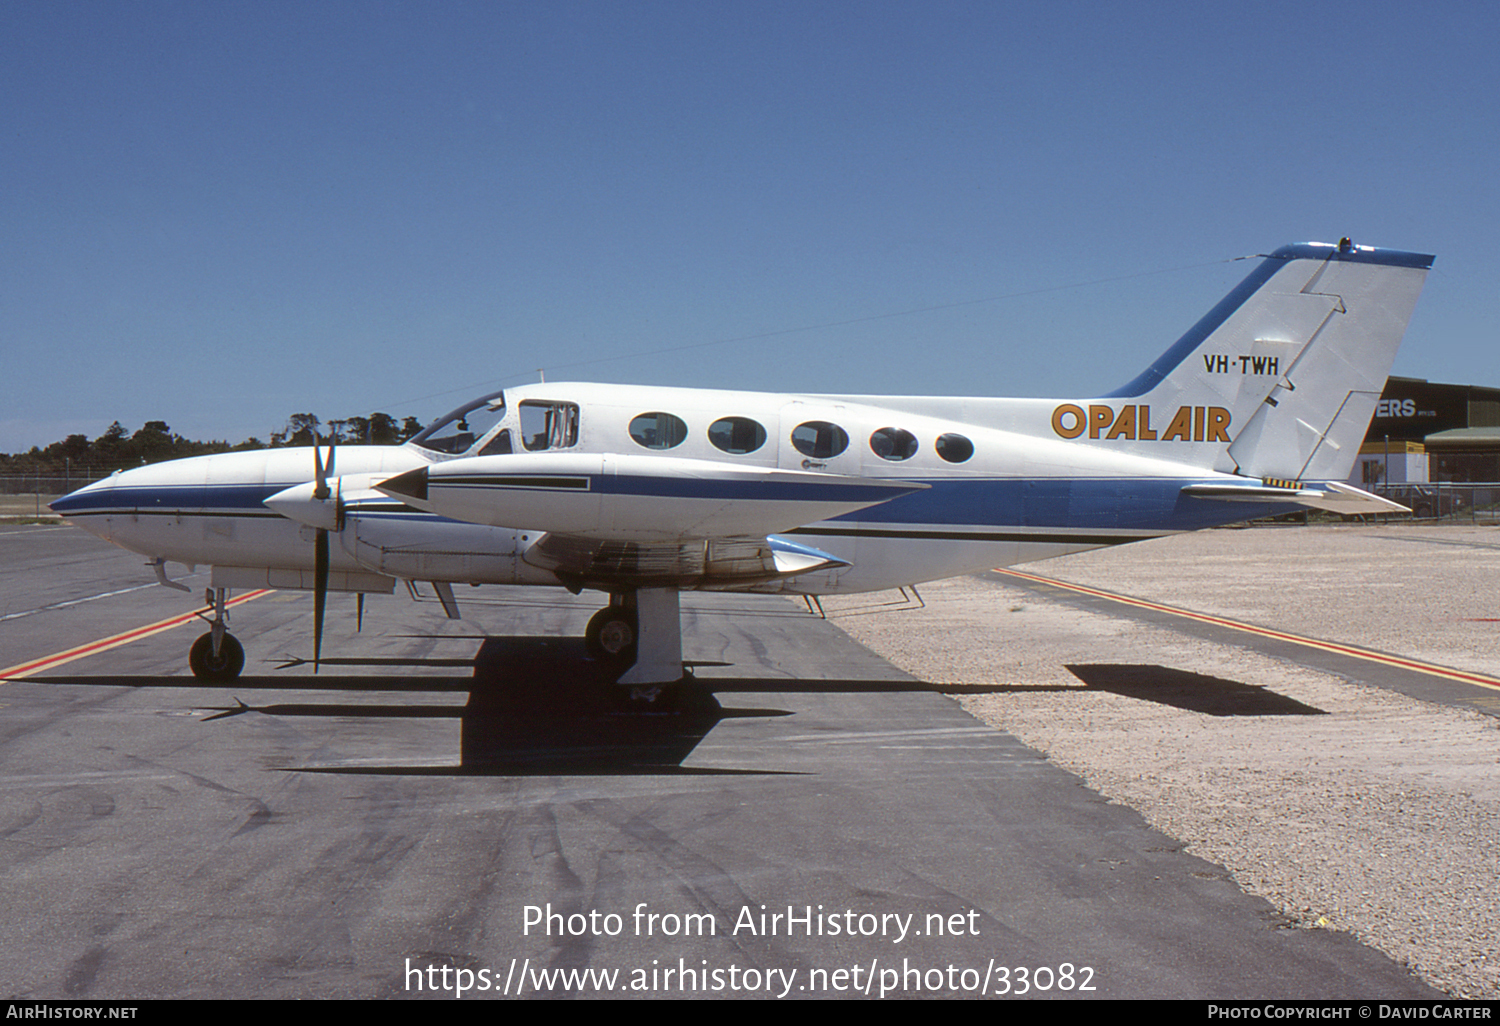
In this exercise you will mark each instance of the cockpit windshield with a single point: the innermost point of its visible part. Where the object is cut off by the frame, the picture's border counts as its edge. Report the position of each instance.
(458, 431)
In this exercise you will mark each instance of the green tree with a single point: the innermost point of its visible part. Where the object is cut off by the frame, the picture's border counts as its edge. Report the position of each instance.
(111, 448)
(301, 429)
(384, 430)
(356, 431)
(152, 442)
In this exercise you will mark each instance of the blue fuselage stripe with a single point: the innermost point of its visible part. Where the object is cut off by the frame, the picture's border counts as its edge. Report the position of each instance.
(1108, 504)
(1112, 504)
(651, 486)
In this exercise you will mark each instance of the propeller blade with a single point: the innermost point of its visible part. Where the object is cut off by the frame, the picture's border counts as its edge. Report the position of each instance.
(320, 472)
(322, 492)
(320, 593)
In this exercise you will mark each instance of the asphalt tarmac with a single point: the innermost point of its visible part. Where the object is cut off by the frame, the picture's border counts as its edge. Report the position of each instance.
(376, 832)
(1415, 678)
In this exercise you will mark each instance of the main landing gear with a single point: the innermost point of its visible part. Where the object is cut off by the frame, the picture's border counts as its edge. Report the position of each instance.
(641, 632)
(638, 635)
(611, 632)
(217, 656)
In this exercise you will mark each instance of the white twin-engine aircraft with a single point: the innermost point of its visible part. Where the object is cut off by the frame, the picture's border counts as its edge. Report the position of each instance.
(642, 493)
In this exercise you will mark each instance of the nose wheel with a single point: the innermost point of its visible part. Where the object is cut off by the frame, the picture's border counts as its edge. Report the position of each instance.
(217, 656)
(225, 665)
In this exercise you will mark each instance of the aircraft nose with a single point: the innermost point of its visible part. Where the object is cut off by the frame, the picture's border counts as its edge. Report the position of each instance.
(98, 508)
(158, 488)
(90, 498)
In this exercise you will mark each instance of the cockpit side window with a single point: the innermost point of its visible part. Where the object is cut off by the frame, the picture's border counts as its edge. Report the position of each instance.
(498, 446)
(459, 430)
(548, 425)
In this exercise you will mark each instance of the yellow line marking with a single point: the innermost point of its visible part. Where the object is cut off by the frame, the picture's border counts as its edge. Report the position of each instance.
(1432, 669)
(104, 644)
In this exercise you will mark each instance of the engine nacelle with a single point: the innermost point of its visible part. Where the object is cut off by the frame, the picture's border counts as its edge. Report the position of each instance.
(399, 543)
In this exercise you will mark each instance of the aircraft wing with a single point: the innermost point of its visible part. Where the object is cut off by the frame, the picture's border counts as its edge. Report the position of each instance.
(609, 520)
(644, 499)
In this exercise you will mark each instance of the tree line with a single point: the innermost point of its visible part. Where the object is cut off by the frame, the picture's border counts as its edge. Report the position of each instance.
(119, 449)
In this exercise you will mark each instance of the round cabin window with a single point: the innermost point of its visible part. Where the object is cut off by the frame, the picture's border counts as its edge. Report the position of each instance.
(819, 439)
(895, 444)
(658, 430)
(954, 448)
(736, 435)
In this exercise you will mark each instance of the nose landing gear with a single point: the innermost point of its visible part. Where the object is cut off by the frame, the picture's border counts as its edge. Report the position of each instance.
(217, 655)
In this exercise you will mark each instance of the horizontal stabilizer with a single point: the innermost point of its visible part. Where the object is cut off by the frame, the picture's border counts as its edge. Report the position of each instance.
(1332, 496)
(1342, 498)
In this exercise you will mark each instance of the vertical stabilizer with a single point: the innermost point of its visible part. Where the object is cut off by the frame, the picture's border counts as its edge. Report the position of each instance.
(1311, 424)
(1290, 364)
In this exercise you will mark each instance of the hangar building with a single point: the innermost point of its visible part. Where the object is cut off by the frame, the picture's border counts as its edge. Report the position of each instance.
(1424, 431)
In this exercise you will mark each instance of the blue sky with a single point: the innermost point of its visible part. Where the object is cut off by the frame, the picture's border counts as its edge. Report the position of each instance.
(220, 214)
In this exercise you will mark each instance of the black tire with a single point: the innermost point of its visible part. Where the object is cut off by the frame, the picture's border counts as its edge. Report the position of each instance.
(611, 635)
(227, 667)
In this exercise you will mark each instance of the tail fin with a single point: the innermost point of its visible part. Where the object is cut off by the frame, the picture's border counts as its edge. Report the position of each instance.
(1288, 367)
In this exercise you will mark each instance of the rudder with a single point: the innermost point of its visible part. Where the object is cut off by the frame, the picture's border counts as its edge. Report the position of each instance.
(1295, 358)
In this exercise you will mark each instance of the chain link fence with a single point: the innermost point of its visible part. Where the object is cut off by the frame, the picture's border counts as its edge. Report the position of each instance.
(27, 495)
(1473, 501)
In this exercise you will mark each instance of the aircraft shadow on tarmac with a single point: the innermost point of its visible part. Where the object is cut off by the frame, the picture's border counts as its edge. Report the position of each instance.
(536, 706)
(1195, 692)
(542, 706)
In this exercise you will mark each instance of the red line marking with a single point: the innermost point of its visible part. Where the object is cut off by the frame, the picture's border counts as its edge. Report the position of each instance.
(115, 641)
(1467, 676)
